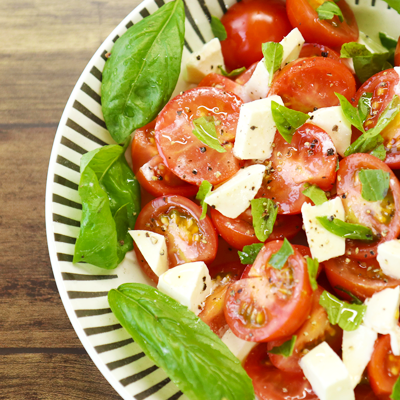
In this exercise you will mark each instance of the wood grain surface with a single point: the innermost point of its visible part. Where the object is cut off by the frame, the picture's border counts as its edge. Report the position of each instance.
(44, 47)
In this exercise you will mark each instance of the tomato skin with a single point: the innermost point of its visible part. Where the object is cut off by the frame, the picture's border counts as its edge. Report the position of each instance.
(349, 189)
(249, 24)
(364, 392)
(144, 146)
(332, 33)
(397, 54)
(318, 50)
(246, 75)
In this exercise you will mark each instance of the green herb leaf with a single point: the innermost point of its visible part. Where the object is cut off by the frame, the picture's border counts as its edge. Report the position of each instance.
(218, 28)
(351, 113)
(204, 191)
(287, 120)
(264, 212)
(328, 10)
(396, 390)
(314, 193)
(346, 230)
(364, 106)
(337, 165)
(142, 71)
(206, 132)
(347, 316)
(395, 4)
(250, 253)
(176, 340)
(273, 56)
(233, 73)
(390, 44)
(285, 349)
(355, 299)
(279, 259)
(375, 184)
(379, 152)
(312, 266)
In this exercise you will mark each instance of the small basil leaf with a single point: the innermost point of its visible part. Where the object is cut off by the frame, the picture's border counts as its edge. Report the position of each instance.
(375, 184)
(279, 259)
(390, 44)
(218, 28)
(250, 253)
(364, 106)
(350, 112)
(316, 194)
(396, 390)
(264, 212)
(354, 49)
(312, 266)
(285, 349)
(205, 131)
(328, 10)
(354, 299)
(204, 191)
(233, 73)
(395, 4)
(273, 56)
(346, 230)
(386, 116)
(337, 165)
(379, 152)
(287, 120)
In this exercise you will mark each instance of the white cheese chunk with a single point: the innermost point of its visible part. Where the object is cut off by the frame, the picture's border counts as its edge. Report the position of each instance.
(389, 258)
(257, 87)
(358, 347)
(240, 348)
(189, 284)
(153, 248)
(256, 129)
(234, 196)
(395, 340)
(292, 45)
(327, 374)
(335, 124)
(204, 61)
(324, 245)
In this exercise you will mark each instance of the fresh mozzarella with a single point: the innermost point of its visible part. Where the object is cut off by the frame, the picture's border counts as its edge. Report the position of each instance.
(327, 374)
(257, 87)
(358, 347)
(335, 124)
(324, 245)
(204, 61)
(189, 284)
(240, 348)
(395, 340)
(256, 129)
(234, 196)
(389, 258)
(292, 45)
(153, 248)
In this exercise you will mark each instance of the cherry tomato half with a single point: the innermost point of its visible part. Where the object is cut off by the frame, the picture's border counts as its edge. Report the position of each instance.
(318, 50)
(364, 392)
(246, 75)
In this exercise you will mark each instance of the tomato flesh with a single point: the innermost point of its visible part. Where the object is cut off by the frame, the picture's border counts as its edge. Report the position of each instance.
(397, 54)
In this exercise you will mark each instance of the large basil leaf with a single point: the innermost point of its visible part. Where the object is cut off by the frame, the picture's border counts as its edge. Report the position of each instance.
(142, 71)
(195, 359)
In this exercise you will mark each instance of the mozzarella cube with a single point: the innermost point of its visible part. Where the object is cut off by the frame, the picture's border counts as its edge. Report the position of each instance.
(335, 124)
(389, 258)
(204, 61)
(395, 340)
(234, 196)
(327, 374)
(256, 129)
(257, 87)
(292, 45)
(189, 284)
(153, 248)
(358, 347)
(240, 348)
(324, 245)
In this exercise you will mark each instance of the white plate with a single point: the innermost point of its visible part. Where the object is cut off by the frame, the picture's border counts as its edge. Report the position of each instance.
(83, 289)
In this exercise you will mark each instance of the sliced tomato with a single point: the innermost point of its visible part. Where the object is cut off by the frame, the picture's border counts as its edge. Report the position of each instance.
(144, 146)
(270, 383)
(383, 217)
(364, 392)
(303, 15)
(246, 75)
(318, 50)
(397, 54)
(270, 303)
(178, 219)
(182, 152)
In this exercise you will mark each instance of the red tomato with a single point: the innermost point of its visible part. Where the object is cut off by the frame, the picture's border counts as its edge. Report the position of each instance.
(364, 392)
(270, 303)
(144, 146)
(332, 33)
(245, 76)
(249, 24)
(397, 54)
(239, 232)
(310, 83)
(270, 383)
(315, 330)
(318, 50)
(181, 151)
(178, 219)
(383, 369)
(383, 217)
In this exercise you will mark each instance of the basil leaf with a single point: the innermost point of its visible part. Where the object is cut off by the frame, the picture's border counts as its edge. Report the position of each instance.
(142, 71)
(396, 390)
(279, 259)
(250, 253)
(264, 212)
(312, 266)
(328, 10)
(205, 131)
(347, 316)
(364, 106)
(285, 349)
(218, 28)
(176, 340)
(375, 184)
(395, 4)
(390, 44)
(354, 49)
(355, 299)
(316, 194)
(124, 239)
(337, 165)
(287, 120)
(204, 191)
(233, 73)
(346, 230)
(387, 115)
(351, 113)
(273, 57)
(379, 152)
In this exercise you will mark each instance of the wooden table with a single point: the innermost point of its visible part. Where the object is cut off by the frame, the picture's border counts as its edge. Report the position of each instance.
(44, 47)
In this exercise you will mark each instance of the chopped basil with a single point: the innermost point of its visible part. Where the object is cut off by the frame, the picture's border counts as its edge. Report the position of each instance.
(233, 73)
(218, 28)
(395, 4)
(273, 56)
(328, 10)
(347, 316)
(337, 165)
(354, 299)
(390, 44)
(285, 349)
(364, 106)
(351, 113)
(250, 253)
(205, 131)
(279, 259)
(379, 152)
(204, 191)
(264, 212)
(312, 266)
(314, 193)
(396, 390)
(287, 120)
(346, 230)
(375, 184)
